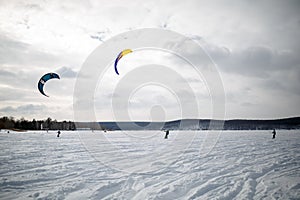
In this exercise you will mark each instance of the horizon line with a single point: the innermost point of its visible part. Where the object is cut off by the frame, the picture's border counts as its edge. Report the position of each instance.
(157, 121)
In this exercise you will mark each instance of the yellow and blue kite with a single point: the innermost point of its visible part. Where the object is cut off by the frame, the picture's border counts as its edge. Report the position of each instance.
(121, 54)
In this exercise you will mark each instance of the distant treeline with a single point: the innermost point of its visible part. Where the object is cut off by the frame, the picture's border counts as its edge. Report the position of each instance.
(184, 124)
(207, 124)
(286, 123)
(47, 124)
(238, 124)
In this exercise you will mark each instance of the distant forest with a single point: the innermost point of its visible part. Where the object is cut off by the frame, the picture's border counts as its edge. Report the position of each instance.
(47, 124)
(184, 124)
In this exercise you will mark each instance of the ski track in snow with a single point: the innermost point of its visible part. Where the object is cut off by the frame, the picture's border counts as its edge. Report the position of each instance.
(242, 165)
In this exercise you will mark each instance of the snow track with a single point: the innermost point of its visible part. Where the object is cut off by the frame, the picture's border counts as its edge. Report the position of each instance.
(242, 165)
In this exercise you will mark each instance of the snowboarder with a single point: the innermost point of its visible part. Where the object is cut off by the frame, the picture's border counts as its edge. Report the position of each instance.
(167, 133)
(58, 133)
(274, 133)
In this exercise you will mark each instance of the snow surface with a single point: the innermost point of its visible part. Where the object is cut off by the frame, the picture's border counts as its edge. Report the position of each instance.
(143, 165)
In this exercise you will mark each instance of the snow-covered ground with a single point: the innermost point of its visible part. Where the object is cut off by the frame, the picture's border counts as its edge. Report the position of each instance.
(143, 165)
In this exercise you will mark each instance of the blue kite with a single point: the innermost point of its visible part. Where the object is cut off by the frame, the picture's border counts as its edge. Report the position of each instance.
(44, 79)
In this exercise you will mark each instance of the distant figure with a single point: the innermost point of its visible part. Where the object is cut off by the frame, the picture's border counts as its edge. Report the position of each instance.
(58, 133)
(104, 130)
(7, 131)
(274, 133)
(167, 133)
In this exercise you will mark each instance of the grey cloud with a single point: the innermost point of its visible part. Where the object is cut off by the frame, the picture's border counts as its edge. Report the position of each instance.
(33, 6)
(21, 80)
(12, 94)
(192, 80)
(285, 83)
(101, 35)
(255, 61)
(96, 37)
(5, 73)
(66, 72)
(27, 109)
(256, 56)
(272, 84)
(20, 53)
(154, 99)
(218, 53)
(247, 104)
(195, 37)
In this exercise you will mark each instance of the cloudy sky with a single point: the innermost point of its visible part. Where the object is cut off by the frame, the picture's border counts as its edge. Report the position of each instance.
(255, 46)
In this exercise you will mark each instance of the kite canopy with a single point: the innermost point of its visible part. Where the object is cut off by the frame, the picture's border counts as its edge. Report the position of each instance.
(44, 79)
(121, 54)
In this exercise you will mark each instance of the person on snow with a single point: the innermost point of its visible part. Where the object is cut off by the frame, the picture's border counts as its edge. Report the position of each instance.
(274, 133)
(58, 133)
(167, 133)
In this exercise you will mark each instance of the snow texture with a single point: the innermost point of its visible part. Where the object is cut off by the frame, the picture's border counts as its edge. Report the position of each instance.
(143, 165)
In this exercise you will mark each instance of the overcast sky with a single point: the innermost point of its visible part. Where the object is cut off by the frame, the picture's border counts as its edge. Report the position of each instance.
(254, 44)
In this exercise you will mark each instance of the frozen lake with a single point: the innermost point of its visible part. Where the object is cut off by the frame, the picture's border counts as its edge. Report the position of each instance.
(143, 165)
